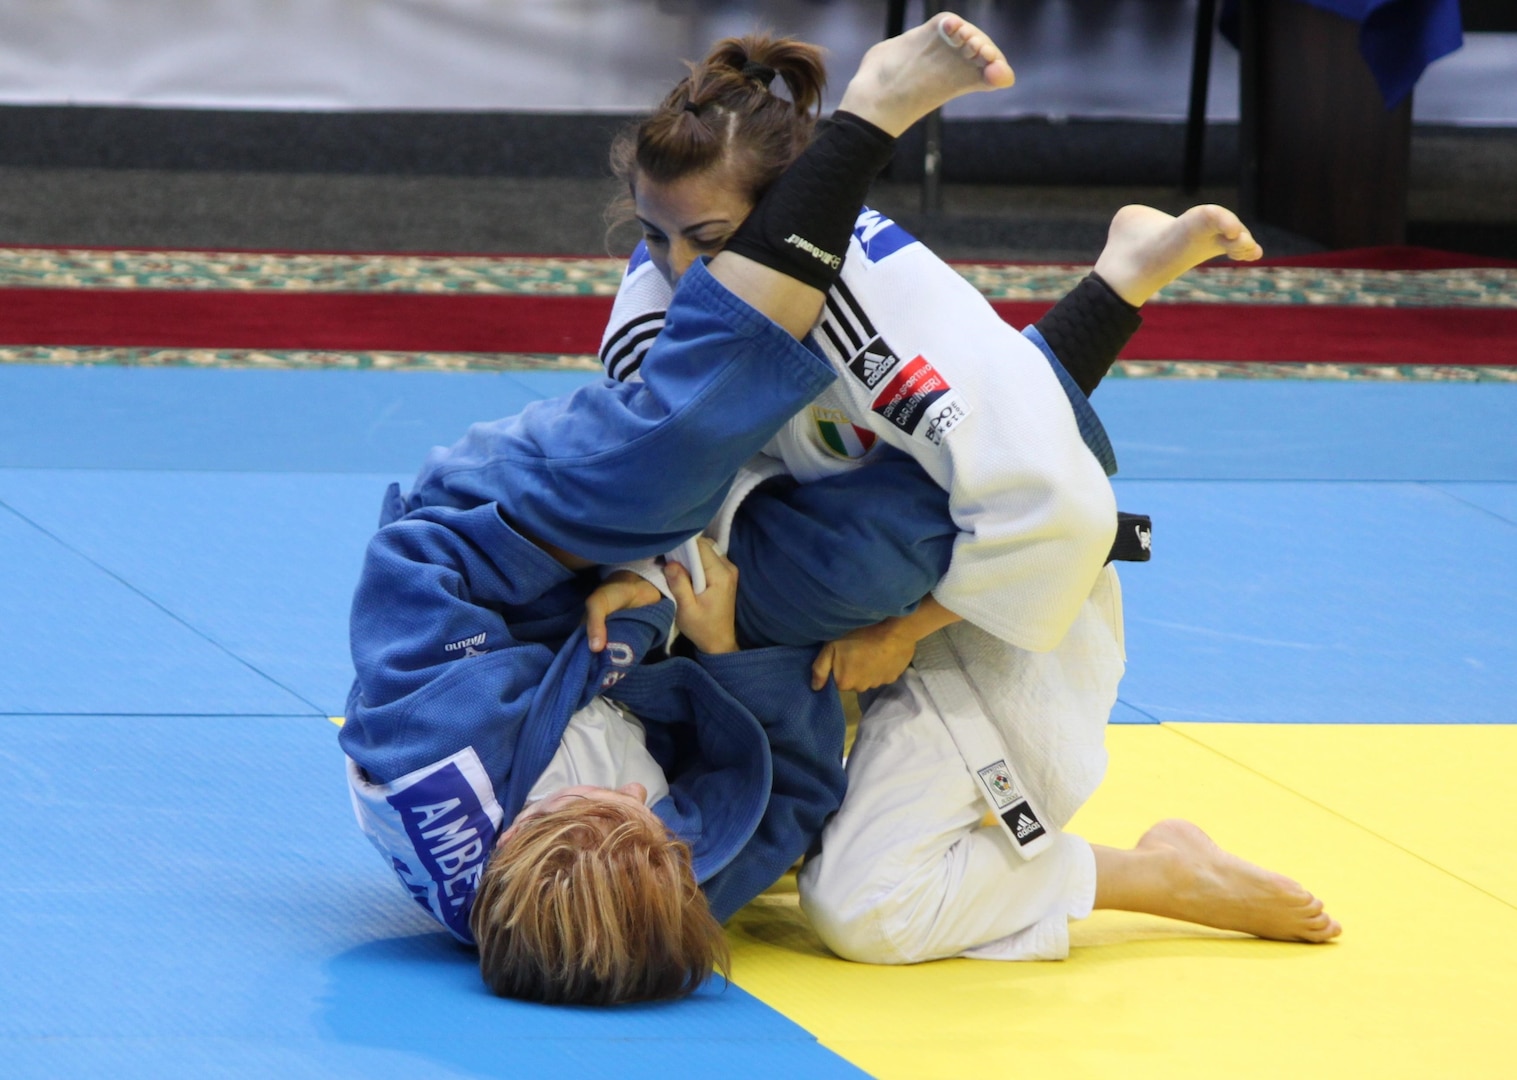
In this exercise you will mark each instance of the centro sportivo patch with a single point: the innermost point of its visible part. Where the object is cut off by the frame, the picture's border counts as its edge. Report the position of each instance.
(918, 400)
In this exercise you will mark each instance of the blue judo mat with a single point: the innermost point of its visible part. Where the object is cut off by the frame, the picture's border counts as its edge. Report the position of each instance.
(186, 882)
(191, 892)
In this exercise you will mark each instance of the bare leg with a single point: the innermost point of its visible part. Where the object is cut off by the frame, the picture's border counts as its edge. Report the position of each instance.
(1146, 249)
(899, 81)
(1177, 871)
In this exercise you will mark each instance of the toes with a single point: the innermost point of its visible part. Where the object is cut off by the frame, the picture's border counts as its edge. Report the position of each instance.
(974, 45)
(1326, 932)
(951, 29)
(1322, 927)
(1237, 242)
(998, 72)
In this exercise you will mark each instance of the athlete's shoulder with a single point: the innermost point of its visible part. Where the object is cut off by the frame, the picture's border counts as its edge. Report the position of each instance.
(878, 236)
(638, 259)
(636, 316)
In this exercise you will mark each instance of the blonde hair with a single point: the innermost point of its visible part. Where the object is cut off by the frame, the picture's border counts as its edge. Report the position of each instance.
(593, 904)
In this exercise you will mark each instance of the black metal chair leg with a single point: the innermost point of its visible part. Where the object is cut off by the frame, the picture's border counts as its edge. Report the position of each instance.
(1200, 77)
(932, 148)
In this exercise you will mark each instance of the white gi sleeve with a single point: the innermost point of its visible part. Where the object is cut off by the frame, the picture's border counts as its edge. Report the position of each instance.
(928, 366)
(637, 315)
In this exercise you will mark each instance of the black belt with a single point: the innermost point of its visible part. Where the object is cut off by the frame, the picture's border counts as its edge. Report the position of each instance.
(1134, 538)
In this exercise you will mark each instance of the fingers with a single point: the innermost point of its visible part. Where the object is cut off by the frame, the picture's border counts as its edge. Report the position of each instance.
(821, 668)
(679, 583)
(595, 621)
(622, 590)
(718, 568)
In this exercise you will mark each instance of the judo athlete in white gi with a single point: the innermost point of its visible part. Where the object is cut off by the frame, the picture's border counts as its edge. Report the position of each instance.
(1021, 641)
(482, 717)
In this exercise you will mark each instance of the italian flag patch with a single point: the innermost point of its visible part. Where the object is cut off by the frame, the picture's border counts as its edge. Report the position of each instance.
(841, 436)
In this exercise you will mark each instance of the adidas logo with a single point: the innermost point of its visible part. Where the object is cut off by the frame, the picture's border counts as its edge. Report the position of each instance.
(1026, 826)
(1145, 536)
(877, 361)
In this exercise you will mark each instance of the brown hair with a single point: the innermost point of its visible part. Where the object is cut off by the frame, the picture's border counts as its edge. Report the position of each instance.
(593, 904)
(723, 114)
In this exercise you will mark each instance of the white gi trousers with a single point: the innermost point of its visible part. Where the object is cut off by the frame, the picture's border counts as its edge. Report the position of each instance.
(906, 871)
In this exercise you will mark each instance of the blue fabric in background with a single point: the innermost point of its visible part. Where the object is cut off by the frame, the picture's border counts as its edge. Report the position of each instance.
(1398, 38)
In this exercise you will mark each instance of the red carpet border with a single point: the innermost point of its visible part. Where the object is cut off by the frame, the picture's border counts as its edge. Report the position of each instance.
(1393, 308)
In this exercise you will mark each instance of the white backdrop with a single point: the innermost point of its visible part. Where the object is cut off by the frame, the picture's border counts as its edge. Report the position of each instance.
(1091, 58)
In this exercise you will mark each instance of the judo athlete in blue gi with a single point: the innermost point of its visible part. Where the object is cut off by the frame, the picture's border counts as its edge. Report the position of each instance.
(475, 683)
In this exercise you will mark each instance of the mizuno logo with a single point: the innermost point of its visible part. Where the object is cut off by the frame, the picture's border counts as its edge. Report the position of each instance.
(466, 643)
(811, 249)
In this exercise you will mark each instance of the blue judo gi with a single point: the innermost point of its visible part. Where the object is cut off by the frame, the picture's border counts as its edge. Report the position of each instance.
(466, 641)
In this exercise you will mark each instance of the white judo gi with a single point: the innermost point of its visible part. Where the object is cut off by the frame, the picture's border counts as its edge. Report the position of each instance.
(906, 872)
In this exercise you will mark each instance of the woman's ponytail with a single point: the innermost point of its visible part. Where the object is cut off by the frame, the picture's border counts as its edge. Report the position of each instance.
(726, 113)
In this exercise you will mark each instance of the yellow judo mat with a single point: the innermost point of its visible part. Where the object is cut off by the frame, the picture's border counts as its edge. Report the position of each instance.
(1402, 830)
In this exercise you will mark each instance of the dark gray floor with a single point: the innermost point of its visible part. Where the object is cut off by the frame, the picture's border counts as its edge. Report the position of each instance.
(1463, 197)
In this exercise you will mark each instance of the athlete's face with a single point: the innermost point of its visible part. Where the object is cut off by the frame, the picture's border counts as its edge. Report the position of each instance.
(632, 795)
(687, 218)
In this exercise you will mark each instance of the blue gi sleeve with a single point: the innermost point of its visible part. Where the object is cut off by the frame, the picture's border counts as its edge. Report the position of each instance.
(446, 687)
(621, 471)
(805, 732)
(438, 659)
(843, 552)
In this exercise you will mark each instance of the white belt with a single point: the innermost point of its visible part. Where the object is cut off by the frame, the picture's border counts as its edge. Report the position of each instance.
(981, 745)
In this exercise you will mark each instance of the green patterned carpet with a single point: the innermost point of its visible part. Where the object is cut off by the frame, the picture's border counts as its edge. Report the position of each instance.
(1478, 288)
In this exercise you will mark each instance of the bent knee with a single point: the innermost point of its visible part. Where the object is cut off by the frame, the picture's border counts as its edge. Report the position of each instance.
(851, 933)
(859, 921)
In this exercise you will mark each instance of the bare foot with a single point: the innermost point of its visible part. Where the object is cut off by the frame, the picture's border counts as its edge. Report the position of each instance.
(904, 78)
(1146, 249)
(1212, 887)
